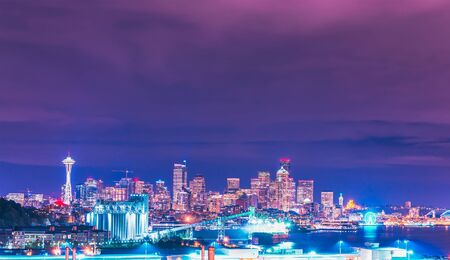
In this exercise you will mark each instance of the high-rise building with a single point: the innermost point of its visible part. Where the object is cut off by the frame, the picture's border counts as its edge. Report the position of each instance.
(408, 204)
(67, 188)
(282, 191)
(341, 200)
(198, 192)
(263, 189)
(326, 199)
(233, 185)
(161, 196)
(89, 192)
(179, 182)
(305, 192)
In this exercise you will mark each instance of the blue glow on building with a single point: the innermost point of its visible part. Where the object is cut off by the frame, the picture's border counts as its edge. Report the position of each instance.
(125, 220)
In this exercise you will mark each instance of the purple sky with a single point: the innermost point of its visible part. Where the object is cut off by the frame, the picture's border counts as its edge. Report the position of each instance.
(355, 92)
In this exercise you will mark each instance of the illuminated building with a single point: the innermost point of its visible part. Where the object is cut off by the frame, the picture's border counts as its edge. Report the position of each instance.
(305, 192)
(285, 163)
(414, 212)
(88, 192)
(408, 204)
(233, 185)
(124, 220)
(229, 199)
(67, 188)
(215, 202)
(326, 199)
(16, 197)
(263, 190)
(282, 191)
(114, 194)
(161, 196)
(351, 205)
(198, 192)
(341, 200)
(34, 200)
(183, 200)
(179, 183)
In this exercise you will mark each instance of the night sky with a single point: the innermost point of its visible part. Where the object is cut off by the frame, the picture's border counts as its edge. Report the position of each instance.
(356, 93)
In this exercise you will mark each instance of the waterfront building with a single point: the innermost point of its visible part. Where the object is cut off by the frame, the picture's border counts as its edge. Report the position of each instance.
(67, 187)
(179, 183)
(161, 197)
(305, 192)
(125, 220)
(233, 185)
(326, 199)
(41, 236)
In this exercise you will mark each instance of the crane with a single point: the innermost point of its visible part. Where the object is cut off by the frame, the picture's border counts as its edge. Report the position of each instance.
(126, 171)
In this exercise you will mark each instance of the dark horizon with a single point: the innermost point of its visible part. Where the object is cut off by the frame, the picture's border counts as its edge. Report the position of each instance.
(356, 94)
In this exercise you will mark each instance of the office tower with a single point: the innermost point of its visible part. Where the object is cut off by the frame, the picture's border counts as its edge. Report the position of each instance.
(67, 188)
(285, 163)
(326, 199)
(198, 192)
(263, 189)
(161, 196)
(89, 192)
(408, 204)
(126, 184)
(215, 202)
(233, 185)
(137, 186)
(341, 200)
(305, 192)
(114, 194)
(179, 182)
(125, 220)
(282, 191)
(16, 197)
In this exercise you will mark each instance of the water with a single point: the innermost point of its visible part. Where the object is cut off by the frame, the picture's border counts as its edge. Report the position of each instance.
(428, 241)
(424, 241)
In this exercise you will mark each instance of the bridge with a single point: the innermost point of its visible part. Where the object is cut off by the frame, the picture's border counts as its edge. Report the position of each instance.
(188, 229)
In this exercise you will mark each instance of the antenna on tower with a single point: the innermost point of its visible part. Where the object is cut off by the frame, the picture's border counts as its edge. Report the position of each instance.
(126, 171)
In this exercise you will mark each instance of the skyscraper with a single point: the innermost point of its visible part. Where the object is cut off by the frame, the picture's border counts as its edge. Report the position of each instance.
(179, 182)
(305, 191)
(198, 192)
(67, 189)
(326, 199)
(341, 200)
(282, 191)
(161, 197)
(233, 185)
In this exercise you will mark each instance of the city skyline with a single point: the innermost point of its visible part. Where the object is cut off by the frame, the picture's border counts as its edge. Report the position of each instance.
(357, 97)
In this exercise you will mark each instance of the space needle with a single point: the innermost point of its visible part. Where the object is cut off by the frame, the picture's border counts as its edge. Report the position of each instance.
(67, 192)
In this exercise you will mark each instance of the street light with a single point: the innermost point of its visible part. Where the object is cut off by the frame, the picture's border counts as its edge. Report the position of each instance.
(406, 244)
(410, 252)
(340, 246)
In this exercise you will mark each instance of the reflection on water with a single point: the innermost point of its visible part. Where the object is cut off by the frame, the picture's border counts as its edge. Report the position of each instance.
(370, 233)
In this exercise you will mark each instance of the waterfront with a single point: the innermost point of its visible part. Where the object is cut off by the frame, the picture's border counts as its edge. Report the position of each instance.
(428, 241)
